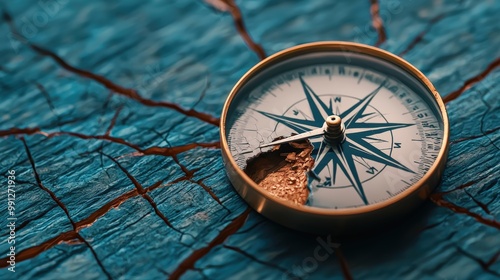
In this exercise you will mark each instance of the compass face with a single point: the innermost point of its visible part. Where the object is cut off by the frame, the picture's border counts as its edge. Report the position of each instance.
(393, 126)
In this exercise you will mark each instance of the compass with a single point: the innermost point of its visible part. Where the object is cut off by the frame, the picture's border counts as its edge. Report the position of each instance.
(334, 137)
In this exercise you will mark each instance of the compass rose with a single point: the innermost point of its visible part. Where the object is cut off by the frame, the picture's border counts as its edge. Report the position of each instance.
(353, 141)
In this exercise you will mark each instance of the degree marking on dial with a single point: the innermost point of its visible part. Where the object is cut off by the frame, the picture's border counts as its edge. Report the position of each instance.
(361, 76)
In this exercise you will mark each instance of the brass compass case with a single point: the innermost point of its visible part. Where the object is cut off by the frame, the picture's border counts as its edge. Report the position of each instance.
(329, 220)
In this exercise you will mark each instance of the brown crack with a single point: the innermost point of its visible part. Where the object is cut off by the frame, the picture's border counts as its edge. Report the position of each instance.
(158, 184)
(155, 150)
(438, 199)
(189, 174)
(487, 132)
(431, 226)
(492, 260)
(231, 228)
(377, 22)
(171, 151)
(39, 182)
(421, 35)
(142, 191)
(67, 237)
(231, 7)
(485, 265)
(283, 170)
(127, 92)
(208, 190)
(475, 136)
(46, 95)
(343, 264)
(255, 259)
(470, 82)
(479, 203)
(115, 203)
(19, 131)
(113, 120)
(34, 251)
(461, 187)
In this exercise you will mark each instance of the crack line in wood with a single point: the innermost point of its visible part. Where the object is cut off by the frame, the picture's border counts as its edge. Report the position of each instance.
(377, 22)
(231, 7)
(32, 252)
(208, 190)
(189, 262)
(253, 258)
(470, 82)
(189, 174)
(127, 92)
(20, 131)
(430, 226)
(492, 260)
(487, 132)
(84, 223)
(46, 95)
(113, 120)
(36, 250)
(142, 191)
(483, 116)
(343, 264)
(154, 150)
(421, 35)
(73, 234)
(484, 265)
(461, 187)
(115, 203)
(438, 199)
(479, 203)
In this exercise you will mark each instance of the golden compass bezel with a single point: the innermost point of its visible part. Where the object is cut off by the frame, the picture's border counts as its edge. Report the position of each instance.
(338, 221)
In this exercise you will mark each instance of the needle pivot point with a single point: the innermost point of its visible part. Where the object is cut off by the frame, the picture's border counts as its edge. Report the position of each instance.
(334, 130)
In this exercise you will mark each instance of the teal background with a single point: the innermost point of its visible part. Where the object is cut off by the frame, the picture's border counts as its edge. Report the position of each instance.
(109, 117)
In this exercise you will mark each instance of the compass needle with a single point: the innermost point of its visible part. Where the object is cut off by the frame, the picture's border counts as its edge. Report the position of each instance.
(376, 131)
(302, 136)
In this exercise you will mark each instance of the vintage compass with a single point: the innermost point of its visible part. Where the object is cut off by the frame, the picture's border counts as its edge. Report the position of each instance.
(334, 137)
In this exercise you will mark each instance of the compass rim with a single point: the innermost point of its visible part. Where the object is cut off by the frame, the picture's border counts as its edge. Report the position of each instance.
(423, 186)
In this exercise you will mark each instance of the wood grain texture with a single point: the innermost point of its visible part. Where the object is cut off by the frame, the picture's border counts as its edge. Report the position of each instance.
(109, 118)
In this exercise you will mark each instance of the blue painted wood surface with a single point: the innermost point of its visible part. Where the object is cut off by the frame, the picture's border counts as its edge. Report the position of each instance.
(109, 114)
